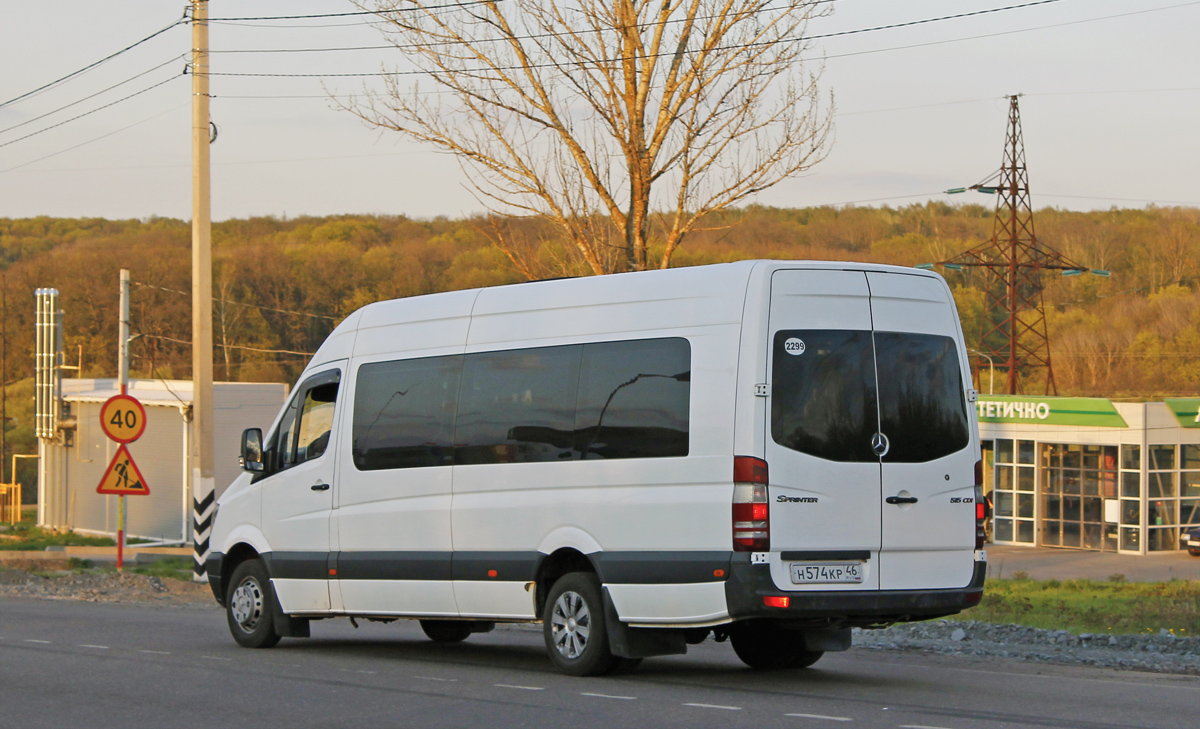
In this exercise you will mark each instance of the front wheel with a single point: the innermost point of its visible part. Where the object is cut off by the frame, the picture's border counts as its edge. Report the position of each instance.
(249, 606)
(446, 631)
(1194, 552)
(574, 627)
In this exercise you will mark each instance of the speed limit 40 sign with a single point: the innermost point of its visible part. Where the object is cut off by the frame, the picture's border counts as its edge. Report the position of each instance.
(123, 418)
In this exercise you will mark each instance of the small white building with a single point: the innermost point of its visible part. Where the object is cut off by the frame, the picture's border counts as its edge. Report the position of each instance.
(71, 466)
(1089, 473)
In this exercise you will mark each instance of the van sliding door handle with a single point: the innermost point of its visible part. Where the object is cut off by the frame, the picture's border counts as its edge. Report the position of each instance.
(890, 499)
(325, 487)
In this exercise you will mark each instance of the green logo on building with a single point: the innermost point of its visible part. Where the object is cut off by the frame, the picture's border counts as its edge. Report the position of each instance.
(1186, 411)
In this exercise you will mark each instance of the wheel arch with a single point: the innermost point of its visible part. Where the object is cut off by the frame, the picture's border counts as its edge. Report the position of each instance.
(561, 562)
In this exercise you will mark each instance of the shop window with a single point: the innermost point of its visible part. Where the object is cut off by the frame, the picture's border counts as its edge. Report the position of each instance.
(1004, 478)
(1163, 540)
(1025, 506)
(1052, 481)
(1162, 457)
(1072, 535)
(1092, 535)
(1131, 512)
(1131, 539)
(1073, 457)
(1162, 513)
(1072, 508)
(1004, 451)
(1189, 457)
(1091, 456)
(1025, 479)
(1025, 532)
(1162, 486)
(1004, 503)
(1091, 483)
(1189, 512)
(1191, 485)
(1052, 508)
(1052, 533)
(1131, 484)
(1071, 484)
(1004, 530)
(1131, 457)
(1025, 452)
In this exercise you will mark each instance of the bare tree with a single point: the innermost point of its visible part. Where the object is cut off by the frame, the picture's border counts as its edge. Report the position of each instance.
(622, 122)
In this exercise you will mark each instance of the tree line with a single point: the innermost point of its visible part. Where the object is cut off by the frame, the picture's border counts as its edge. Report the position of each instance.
(281, 285)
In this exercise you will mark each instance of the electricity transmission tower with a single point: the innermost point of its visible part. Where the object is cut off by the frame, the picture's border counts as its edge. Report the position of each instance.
(1014, 319)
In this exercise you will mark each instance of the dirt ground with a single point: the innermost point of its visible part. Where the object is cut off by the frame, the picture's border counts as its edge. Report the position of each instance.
(52, 581)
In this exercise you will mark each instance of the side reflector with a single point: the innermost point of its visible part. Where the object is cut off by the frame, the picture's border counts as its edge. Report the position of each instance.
(776, 602)
(492, 573)
(332, 573)
(973, 598)
(718, 573)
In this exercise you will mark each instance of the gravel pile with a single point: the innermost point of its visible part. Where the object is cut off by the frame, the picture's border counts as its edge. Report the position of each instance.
(104, 587)
(1162, 652)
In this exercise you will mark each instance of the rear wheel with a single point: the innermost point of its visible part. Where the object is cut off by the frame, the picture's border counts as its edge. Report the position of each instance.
(574, 628)
(765, 647)
(446, 631)
(250, 606)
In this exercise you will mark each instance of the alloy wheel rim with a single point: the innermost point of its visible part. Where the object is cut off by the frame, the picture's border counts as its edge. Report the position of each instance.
(570, 625)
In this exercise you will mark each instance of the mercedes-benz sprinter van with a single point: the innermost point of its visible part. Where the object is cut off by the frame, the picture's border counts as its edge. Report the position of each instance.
(769, 452)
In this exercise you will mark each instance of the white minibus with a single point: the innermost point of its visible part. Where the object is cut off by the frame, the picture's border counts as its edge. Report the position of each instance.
(765, 452)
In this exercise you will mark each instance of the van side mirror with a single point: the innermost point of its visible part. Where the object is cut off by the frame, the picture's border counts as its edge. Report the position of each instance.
(252, 450)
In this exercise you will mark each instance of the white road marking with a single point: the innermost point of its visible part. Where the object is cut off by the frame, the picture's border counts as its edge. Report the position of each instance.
(920, 726)
(609, 696)
(157, 653)
(100, 647)
(715, 706)
(31, 640)
(821, 716)
(522, 688)
(216, 658)
(435, 678)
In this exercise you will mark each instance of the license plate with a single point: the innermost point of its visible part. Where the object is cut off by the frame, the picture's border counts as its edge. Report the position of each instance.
(833, 572)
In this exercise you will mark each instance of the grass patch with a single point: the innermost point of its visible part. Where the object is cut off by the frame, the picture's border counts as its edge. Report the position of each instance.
(1089, 606)
(28, 536)
(173, 568)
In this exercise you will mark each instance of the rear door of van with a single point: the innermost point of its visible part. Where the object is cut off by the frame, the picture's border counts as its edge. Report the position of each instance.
(868, 445)
(928, 469)
(824, 490)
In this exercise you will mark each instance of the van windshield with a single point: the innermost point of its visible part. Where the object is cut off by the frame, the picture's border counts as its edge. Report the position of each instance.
(827, 400)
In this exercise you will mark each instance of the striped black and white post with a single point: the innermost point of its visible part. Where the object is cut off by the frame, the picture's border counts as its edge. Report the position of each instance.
(203, 508)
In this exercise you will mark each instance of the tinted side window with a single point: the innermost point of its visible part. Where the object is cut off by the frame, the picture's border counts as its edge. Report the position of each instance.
(921, 403)
(404, 413)
(316, 421)
(517, 406)
(634, 399)
(823, 399)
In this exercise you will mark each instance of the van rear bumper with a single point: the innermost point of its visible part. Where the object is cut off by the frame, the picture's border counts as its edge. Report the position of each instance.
(748, 584)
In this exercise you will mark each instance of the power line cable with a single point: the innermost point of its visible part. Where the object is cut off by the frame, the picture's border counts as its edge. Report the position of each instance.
(91, 96)
(94, 139)
(88, 113)
(352, 13)
(665, 53)
(90, 66)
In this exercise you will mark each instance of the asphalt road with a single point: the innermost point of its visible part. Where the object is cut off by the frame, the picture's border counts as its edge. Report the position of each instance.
(71, 664)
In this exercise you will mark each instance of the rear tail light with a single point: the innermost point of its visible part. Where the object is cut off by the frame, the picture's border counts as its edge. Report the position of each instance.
(751, 511)
(980, 507)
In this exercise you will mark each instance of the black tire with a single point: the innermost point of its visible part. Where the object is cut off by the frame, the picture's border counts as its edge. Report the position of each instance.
(250, 606)
(1194, 552)
(446, 631)
(806, 658)
(574, 628)
(766, 648)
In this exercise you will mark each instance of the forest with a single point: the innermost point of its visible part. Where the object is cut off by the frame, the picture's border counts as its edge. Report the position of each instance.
(281, 284)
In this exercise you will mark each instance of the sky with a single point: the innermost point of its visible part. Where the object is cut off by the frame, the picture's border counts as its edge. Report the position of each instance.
(1110, 110)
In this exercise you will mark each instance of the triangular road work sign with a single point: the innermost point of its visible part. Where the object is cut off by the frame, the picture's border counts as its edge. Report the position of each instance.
(123, 476)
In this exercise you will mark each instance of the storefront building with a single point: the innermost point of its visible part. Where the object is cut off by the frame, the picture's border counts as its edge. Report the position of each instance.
(1088, 473)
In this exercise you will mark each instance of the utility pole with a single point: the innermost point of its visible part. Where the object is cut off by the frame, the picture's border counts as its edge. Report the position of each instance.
(202, 358)
(1014, 319)
(123, 385)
